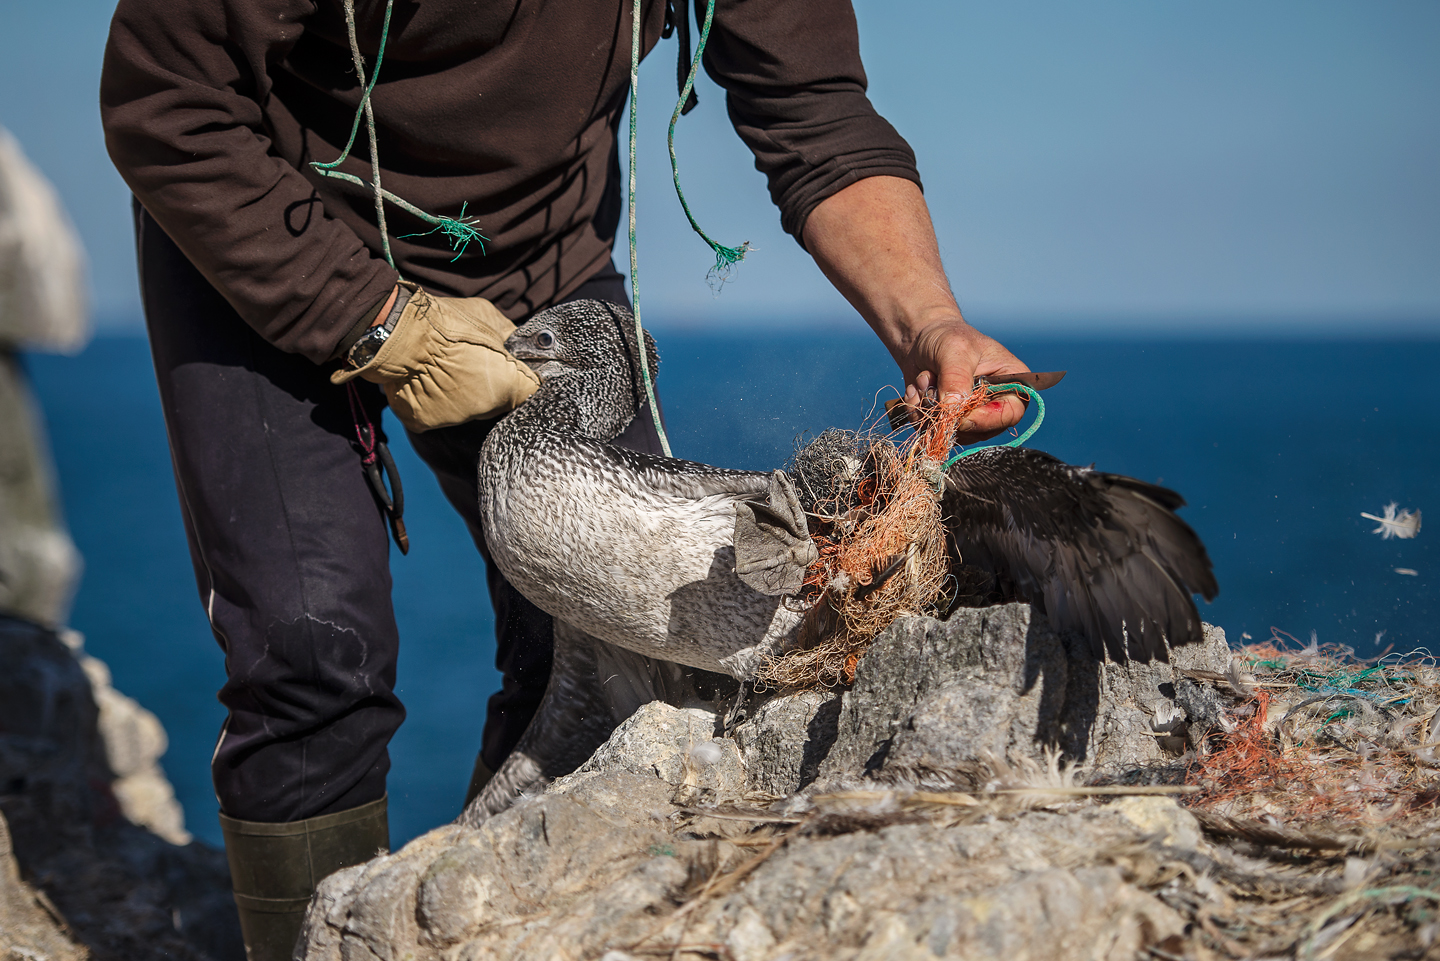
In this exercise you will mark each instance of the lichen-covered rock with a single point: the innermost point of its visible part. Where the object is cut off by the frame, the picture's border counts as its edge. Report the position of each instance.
(570, 876)
(654, 842)
(676, 745)
(582, 867)
(786, 740)
(931, 698)
(1001, 890)
(1140, 717)
(935, 694)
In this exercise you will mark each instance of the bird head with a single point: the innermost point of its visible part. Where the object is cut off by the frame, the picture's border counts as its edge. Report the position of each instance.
(584, 353)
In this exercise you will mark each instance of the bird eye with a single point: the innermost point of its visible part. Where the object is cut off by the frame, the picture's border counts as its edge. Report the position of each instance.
(545, 340)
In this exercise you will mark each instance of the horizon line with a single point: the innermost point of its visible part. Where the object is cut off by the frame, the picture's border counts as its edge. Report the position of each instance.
(1359, 325)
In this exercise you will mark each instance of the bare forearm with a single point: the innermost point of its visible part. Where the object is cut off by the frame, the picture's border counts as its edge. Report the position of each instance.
(875, 242)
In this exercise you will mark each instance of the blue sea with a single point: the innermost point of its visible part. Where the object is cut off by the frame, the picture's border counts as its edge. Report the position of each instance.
(1276, 445)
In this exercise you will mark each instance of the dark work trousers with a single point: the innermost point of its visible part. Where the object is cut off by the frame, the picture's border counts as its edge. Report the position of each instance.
(291, 552)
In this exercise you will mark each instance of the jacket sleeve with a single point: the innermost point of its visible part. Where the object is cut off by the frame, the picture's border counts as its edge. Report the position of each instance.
(180, 96)
(795, 89)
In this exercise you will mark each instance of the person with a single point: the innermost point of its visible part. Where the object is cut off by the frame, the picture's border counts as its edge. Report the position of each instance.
(266, 293)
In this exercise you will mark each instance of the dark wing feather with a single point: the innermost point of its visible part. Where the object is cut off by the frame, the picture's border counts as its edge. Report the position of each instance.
(1104, 555)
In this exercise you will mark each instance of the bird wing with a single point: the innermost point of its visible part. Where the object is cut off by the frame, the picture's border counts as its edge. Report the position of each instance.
(686, 478)
(1105, 555)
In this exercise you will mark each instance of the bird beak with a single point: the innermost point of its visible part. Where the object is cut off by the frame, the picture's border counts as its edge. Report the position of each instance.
(521, 349)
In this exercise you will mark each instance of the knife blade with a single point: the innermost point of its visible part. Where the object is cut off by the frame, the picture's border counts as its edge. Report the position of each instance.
(1036, 380)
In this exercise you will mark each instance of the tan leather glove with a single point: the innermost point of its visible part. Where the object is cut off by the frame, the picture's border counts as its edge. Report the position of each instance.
(445, 363)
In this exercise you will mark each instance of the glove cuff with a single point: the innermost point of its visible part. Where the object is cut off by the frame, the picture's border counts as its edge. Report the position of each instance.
(407, 305)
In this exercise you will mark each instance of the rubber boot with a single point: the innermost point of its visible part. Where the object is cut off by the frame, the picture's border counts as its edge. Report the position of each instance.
(275, 869)
(479, 777)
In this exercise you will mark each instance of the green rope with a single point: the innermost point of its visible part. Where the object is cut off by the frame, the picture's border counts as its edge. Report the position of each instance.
(360, 69)
(992, 390)
(725, 257)
(461, 232)
(634, 256)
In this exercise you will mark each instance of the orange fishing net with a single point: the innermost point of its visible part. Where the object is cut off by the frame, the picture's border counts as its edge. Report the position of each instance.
(881, 540)
(1328, 737)
(1249, 759)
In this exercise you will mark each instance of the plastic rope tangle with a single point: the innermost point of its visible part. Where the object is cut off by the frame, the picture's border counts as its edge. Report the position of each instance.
(992, 390)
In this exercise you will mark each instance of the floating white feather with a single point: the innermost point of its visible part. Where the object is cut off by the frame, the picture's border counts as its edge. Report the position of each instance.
(1405, 524)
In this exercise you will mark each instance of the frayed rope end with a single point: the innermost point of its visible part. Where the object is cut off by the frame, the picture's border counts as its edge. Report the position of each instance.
(725, 260)
(460, 232)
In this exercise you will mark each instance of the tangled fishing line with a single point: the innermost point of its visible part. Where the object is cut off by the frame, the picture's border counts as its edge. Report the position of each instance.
(873, 502)
(1319, 736)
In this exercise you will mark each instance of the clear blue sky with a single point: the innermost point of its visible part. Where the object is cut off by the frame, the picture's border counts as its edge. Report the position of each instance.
(1171, 164)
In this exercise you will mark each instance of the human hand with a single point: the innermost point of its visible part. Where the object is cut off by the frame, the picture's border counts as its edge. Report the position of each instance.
(946, 356)
(445, 363)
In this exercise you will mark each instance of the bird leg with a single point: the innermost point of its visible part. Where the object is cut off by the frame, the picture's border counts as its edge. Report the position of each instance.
(594, 687)
(572, 721)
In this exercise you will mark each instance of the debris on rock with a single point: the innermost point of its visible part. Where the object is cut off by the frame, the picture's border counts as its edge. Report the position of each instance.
(1320, 738)
(1068, 808)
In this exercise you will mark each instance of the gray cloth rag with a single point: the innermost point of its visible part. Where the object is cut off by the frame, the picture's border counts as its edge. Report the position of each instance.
(772, 540)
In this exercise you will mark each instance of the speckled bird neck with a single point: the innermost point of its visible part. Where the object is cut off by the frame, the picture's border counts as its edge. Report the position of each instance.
(575, 403)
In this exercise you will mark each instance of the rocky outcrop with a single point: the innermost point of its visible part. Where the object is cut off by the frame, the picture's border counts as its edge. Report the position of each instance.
(604, 862)
(90, 831)
(933, 699)
(30, 926)
(42, 283)
(98, 838)
(133, 741)
(42, 307)
(39, 565)
(827, 826)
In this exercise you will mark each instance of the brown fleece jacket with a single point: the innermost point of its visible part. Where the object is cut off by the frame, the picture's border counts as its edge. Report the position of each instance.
(213, 110)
